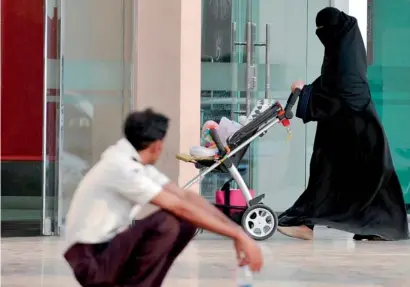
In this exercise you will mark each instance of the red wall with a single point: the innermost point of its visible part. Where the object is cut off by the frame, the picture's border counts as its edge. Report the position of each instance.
(22, 30)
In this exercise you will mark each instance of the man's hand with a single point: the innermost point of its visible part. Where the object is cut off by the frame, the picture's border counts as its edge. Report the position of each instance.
(297, 85)
(248, 252)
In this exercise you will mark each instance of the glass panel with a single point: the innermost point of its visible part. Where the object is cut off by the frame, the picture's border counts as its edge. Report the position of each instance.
(388, 72)
(224, 77)
(218, 82)
(96, 45)
(279, 166)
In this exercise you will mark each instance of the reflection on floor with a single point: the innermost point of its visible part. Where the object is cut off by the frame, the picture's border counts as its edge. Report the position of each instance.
(332, 260)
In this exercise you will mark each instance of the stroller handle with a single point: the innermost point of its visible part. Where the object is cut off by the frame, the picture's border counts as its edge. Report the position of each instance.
(291, 102)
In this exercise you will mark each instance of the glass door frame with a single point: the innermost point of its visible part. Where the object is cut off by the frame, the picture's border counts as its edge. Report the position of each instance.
(53, 29)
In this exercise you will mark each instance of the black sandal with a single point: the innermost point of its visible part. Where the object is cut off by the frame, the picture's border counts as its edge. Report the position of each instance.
(359, 237)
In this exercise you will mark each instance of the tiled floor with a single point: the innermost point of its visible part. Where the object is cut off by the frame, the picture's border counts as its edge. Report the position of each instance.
(331, 260)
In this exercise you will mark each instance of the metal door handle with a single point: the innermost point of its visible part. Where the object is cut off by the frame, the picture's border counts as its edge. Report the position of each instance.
(251, 68)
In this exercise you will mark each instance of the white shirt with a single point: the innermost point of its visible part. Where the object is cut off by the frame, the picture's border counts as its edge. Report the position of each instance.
(115, 191)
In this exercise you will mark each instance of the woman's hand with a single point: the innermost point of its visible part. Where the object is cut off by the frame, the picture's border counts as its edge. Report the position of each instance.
(297, 85)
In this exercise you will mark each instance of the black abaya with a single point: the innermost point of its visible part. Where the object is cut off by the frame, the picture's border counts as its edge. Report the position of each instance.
(353, 185)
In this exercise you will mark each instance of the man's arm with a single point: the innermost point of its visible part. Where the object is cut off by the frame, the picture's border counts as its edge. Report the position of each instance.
(198, 201)
(248, 252)
(144, 185)
(140, 186)
(200, 217)
(192, 197)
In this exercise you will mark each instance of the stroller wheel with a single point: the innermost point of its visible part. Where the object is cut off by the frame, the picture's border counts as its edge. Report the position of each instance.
(260, 222)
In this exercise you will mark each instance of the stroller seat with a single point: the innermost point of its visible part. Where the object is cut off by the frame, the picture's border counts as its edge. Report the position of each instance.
(259, 120)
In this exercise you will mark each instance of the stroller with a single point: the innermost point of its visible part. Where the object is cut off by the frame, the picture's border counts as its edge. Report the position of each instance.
(257, 219)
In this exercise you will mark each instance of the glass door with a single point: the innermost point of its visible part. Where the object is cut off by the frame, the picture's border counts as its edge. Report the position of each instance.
(240, 68)
(279, 169)
(223, 88)
(87, 94)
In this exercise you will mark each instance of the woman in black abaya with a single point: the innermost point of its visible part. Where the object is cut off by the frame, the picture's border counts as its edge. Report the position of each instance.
(353, 185)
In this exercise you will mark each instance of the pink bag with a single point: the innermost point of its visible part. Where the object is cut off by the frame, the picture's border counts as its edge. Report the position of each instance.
(236, 198)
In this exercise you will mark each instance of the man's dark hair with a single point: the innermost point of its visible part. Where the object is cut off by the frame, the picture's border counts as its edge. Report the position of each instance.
(144, 127)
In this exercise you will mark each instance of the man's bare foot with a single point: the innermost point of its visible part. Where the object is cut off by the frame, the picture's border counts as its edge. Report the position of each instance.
(300, 232)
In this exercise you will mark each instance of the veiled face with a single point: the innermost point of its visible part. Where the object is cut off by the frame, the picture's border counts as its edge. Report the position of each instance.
(331, 25)
(327, 23)
(326, 35)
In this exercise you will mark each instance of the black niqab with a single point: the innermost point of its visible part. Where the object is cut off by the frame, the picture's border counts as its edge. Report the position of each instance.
(353, 185)
(332, 25)
(344, 68)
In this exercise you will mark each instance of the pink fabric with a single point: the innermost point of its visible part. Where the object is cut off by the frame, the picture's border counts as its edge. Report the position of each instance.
(236, 198)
